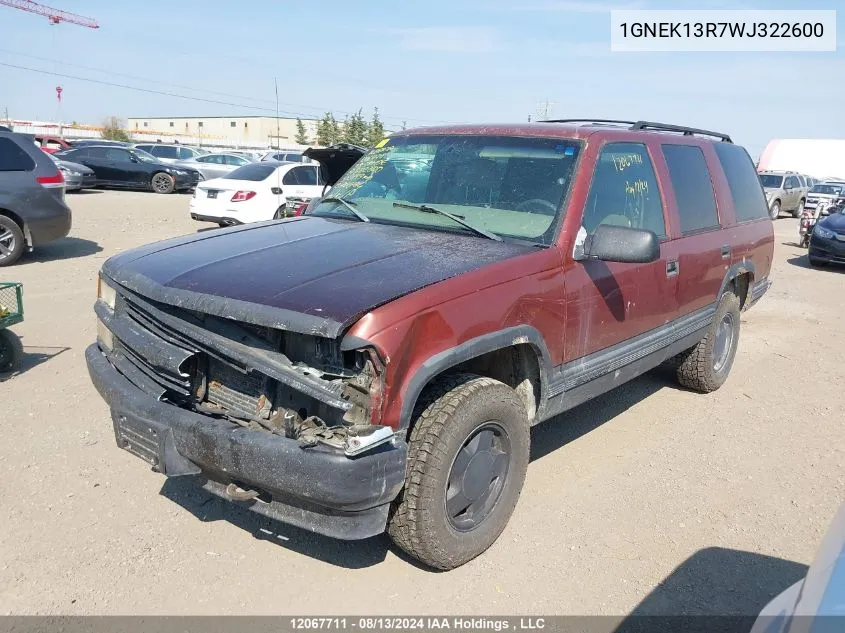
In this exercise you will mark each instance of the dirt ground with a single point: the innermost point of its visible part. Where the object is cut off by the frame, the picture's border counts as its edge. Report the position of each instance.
(650, 499)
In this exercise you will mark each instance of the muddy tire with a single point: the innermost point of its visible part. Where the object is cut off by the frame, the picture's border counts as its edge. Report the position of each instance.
(706, 366)
(162, 183)
(774, 210)
(11, 351)
(467, 458)
(11, 241)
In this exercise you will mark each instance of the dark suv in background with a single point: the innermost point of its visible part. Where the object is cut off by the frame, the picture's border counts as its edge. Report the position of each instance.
(463, 283)
(32, 197)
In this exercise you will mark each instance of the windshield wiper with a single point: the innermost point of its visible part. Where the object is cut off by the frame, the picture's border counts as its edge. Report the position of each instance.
(349, 204)
(455, 218)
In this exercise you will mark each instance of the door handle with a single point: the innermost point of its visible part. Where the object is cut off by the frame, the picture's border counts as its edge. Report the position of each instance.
(726, 251)
(672, 268)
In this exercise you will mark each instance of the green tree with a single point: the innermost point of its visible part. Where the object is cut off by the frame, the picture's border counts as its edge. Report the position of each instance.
(324, 130)
(375, 133)
(335, 133)
(301, 137)
(114, 130)
(355, 129)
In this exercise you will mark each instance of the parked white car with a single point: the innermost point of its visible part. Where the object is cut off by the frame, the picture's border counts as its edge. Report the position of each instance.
(285, 156)
(215, 165)
(254, 193)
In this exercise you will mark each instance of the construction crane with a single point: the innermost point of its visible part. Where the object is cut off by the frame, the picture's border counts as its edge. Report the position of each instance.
(54, 15)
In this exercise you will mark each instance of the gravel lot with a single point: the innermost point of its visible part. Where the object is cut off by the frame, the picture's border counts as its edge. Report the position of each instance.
(650, 499)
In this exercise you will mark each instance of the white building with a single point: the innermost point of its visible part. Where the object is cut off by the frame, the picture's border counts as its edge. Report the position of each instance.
(234, 131)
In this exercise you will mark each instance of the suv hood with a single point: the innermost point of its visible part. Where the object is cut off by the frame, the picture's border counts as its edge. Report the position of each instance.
(308, 274)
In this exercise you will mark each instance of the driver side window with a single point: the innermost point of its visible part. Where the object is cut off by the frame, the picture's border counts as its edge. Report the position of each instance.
(624, 191)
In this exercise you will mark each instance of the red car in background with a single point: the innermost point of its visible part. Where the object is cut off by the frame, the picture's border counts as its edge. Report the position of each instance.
(51, 144)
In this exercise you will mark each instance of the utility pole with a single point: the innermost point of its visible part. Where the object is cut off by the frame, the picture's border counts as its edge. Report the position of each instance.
(278, 134)
(544, 109)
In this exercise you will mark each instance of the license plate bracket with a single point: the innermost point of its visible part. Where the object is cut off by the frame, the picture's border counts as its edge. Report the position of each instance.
(212, 193)
(153, 442)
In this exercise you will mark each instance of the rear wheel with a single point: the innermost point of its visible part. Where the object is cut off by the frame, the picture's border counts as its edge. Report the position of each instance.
(774, 210)
(163, 183)
(706, 366)
(798, 211)
(11, 351)
(11, 241)
(280, 213)
(467, 459)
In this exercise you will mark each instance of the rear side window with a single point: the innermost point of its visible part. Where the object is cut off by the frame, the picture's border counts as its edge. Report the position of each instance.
(253, 171)
(693, 187)
(13, 158)
(300, 176)
(749, 201)
(165, 151)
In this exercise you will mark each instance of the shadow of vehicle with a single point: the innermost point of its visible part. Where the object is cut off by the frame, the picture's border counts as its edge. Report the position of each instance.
(31, 359)
(84, 192)
(186, 492)
(559, 431)
(66, 248)
(546, 437)
(714, 590)
(802, 261)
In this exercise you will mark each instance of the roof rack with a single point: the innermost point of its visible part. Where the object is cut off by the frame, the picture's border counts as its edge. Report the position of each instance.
(648, 125)
(686, 131)
(600, 121)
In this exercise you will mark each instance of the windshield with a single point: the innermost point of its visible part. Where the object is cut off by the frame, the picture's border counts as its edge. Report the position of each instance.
(832, 190)
(509, 186)
(144, 156)
(252, 171)
(770, 181)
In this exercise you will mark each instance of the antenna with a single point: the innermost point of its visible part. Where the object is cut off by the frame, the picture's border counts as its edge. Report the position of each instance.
(545, 109)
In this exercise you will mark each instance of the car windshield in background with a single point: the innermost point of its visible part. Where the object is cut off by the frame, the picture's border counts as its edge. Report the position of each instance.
(513, 187)
(253, 171)
(770, 181)
(832, 190)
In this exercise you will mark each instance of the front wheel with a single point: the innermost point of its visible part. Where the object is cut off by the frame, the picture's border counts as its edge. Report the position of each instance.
(11, 351)
(467, 459)
(706, 366)
(163, 183)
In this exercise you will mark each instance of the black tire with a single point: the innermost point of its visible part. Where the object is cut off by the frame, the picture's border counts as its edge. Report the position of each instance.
(11, 351)
(706, 366)
(774, 210)
(280, 213)
(11, 241)
(799, 210)
(162, 182)
(455, 417)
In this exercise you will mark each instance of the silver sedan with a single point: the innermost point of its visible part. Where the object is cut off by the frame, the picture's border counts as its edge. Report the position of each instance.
(214, 165)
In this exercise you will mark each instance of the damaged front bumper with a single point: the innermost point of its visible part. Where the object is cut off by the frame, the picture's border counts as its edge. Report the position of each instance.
(318, 489)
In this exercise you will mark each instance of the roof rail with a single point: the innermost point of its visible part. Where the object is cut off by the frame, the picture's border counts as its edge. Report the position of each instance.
(601, 121)
(646, 125)
(686, 131)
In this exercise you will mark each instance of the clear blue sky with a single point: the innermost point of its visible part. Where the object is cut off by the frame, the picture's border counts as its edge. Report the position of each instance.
(422, 62)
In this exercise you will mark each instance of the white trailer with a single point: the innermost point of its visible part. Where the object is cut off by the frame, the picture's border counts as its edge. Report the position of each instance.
(820, 158)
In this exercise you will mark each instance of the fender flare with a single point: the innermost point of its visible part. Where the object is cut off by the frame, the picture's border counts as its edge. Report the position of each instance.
(501, 339)
(740, 268)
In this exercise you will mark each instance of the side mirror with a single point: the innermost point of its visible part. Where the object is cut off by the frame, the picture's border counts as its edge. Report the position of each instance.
(622, 244)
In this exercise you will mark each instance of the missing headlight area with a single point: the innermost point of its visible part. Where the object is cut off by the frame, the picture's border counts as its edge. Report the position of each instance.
(247, 396)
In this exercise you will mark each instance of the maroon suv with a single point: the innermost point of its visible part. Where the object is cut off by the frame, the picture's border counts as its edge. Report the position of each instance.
(376, 363)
